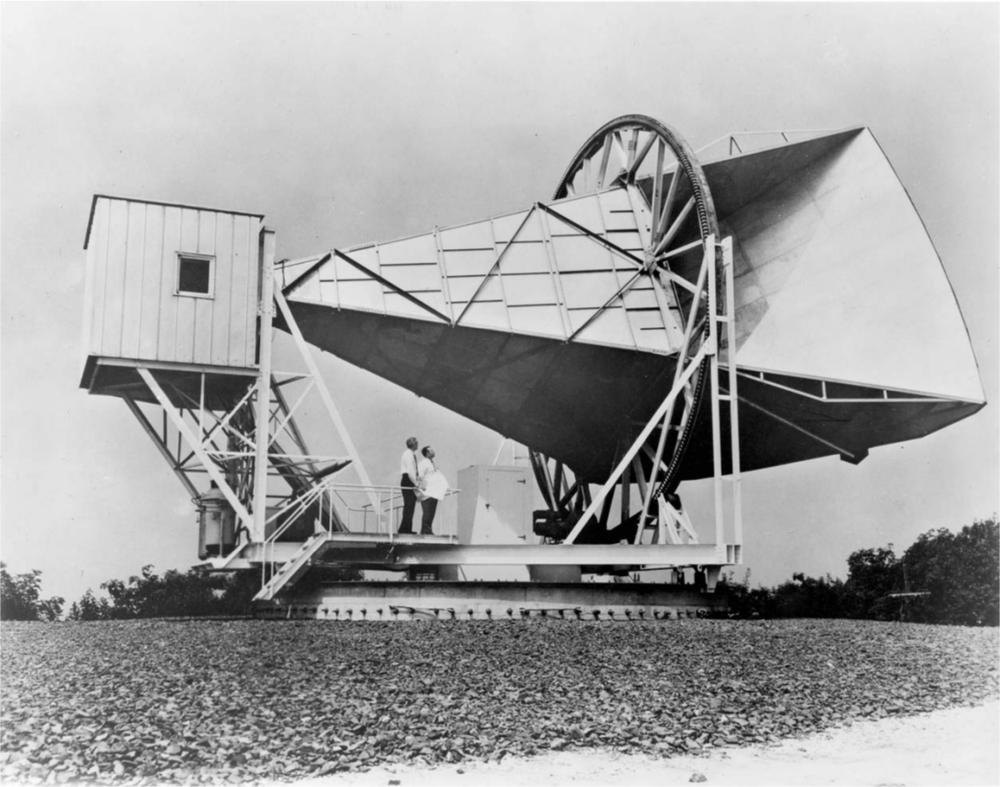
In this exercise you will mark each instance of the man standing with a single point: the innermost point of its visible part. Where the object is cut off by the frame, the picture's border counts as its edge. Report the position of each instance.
(433, 487)
(408, 484)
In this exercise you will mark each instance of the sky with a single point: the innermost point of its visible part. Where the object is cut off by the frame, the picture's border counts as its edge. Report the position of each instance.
(345, 123)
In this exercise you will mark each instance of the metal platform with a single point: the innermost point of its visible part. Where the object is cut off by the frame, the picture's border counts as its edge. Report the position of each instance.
(405, 552)
(341, 543)
(389, 555)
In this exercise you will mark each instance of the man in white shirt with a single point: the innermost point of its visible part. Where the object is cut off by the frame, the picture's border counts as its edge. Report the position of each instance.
(408, 484)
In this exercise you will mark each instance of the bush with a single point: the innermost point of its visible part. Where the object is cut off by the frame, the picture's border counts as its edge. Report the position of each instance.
(872, 574)
(745, 602)
(19, 597)
(148, 595)
(802, 597)
(961, 573)
(90, 608)
(172, 595)
(807, 597)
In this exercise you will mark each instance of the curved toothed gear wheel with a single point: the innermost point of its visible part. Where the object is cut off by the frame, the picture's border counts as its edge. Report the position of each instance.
(648, 157)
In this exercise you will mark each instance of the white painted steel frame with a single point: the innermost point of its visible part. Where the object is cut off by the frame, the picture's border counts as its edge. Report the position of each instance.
(265, 311)
(197, 446)
(333, 412)
(708, 352)
(760, 375)
(198, 429)
(305, 351)
(647, 555)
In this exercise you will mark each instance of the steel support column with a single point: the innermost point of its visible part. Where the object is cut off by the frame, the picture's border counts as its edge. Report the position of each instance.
(263, 405)
(720, 330)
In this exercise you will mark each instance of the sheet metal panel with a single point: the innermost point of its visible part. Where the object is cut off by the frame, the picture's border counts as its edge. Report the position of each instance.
(206, 307)
(579, 253)
(166, 345)
(525, 271)
(246, 258)
(462, 289)
(420, 249)
(360, 293)
(838, 279)
(114, 279)
(525, 256)
(585, 211)
(468, 262)
(591, 290)
(610, 327)
(489, 314)
(219, 337)
(419, 277)
(535, 319)
(97, 253)
(468, 236)
(505, 226)
(532, 289)
(152, 276)
(135, 241)
(399, 304)
(184, 328)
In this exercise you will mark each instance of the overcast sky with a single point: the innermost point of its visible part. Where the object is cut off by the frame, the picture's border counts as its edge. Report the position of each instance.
(345, 123)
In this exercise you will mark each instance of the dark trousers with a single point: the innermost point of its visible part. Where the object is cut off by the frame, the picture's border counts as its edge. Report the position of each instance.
(409, 504)
(429, 507)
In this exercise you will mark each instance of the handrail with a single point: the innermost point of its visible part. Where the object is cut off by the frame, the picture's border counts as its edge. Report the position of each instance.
(388, 500)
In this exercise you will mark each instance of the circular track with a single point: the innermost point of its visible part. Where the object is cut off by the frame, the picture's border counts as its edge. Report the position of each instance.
(655, 163)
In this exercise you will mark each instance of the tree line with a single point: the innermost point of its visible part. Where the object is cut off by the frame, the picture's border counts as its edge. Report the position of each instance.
(943, 577)
(147, 595)
(191, 594)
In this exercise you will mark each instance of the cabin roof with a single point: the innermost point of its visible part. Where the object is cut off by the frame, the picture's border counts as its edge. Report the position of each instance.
(93, 206)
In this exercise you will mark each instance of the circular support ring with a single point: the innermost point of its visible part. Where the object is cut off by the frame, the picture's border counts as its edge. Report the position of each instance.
(663, 177)
(636, 136)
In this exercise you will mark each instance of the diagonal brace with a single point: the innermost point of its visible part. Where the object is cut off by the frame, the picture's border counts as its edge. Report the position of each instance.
(626, 460)
(185, 431)
(328, 402)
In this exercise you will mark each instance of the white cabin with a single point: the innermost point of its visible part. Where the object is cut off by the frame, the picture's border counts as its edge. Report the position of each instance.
(169, 286)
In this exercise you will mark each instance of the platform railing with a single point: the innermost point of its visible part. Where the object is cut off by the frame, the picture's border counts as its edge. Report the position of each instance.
(385, 520)
(365, 517)
(360, 517)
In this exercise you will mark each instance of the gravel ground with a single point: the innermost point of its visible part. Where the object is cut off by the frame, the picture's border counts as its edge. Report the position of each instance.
(957, 746)
(240, 701)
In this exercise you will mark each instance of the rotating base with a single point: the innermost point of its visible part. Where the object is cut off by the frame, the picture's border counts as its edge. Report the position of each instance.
(411, 601)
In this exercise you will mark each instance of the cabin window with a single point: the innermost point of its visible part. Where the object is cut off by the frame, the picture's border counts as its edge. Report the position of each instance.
(194, 275)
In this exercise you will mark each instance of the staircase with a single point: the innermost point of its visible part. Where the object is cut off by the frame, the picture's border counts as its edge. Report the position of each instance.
(293, 568)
